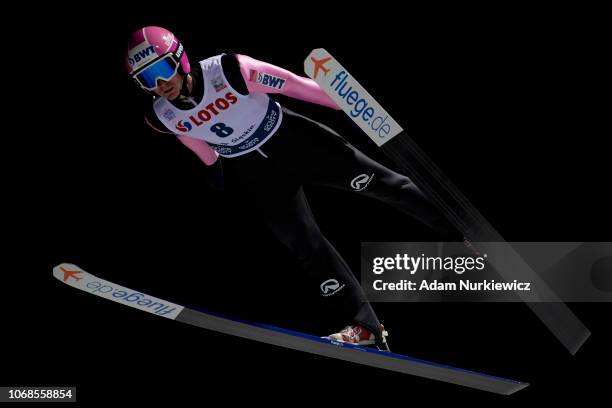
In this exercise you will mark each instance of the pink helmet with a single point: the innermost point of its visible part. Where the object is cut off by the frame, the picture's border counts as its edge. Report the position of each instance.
(151, 43)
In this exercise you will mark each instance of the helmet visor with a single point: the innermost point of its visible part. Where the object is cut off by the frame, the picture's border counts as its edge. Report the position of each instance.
(164, 68)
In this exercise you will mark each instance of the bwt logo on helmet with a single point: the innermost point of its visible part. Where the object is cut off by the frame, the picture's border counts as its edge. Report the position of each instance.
(141, 54)
(211, 110)
(179, 51)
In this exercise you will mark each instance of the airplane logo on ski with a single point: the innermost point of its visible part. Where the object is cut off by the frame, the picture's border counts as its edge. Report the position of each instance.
(319, 64)
(70, 274)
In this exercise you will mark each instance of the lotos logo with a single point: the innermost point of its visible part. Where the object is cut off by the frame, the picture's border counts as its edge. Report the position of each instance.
(211, 110)
(141, 54)
(267, 80)
(330, 287)
(183, 126)
(361, 181)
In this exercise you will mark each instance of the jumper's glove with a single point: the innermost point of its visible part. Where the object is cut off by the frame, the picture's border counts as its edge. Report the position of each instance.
(214, 176)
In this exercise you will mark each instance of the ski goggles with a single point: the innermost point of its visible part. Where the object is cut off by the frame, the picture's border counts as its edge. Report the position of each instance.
(164, 68)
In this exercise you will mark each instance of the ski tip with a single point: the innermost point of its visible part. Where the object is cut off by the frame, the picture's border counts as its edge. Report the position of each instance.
(319, 51)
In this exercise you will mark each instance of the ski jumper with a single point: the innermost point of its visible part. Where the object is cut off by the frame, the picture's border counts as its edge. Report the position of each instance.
(269, 153)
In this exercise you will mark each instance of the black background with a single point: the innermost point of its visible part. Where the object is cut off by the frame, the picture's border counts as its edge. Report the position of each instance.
(506, 102)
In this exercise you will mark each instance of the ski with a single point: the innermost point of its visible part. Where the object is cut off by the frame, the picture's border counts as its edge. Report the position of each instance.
(76, 277)
(364, 111)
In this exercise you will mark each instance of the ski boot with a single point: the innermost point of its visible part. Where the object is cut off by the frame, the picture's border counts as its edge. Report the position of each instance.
(359, 335)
